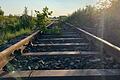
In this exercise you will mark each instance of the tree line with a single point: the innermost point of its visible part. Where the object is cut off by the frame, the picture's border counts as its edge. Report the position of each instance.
(12, 25)
(102, 20)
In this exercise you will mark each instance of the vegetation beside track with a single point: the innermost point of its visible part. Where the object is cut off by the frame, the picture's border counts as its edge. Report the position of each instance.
(13, 26)
(8, 36)
(102, 20)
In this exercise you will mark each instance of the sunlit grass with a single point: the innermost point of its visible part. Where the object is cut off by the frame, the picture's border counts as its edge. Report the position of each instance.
(8, 35)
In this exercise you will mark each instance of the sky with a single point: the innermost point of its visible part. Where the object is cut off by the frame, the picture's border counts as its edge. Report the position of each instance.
(59, 7)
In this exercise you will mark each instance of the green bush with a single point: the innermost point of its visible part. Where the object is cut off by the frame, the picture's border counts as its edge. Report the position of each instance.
(55, 30)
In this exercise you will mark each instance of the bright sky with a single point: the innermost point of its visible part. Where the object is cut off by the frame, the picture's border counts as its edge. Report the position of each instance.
(59, 7)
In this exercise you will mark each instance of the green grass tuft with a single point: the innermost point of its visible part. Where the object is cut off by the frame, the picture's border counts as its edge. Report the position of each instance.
(8, 35)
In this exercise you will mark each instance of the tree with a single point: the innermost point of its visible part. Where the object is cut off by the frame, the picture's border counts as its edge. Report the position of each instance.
(25, 11)
(103, 4)
(1, 12)
(42, 18)
(25, 20)
(84, 17)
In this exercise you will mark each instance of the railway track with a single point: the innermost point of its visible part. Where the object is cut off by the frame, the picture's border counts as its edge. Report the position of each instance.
(69, 55)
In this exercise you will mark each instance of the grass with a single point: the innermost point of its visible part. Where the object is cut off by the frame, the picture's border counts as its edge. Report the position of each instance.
(8, 35)
(55, 30)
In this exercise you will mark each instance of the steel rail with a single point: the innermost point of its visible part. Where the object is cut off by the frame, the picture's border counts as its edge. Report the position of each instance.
(5, 55)
(97, 38)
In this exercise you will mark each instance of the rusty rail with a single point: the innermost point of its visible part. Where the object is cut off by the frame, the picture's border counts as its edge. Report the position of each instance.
(100, 40)
(5, 55)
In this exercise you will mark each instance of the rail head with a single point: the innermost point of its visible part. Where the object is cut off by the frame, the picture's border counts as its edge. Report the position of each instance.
(5, 54)
(97, 38)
